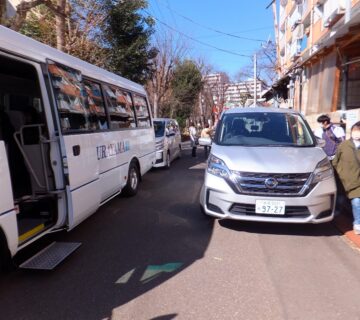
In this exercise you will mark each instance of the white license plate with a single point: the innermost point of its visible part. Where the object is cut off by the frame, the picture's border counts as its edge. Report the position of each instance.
(270, 207)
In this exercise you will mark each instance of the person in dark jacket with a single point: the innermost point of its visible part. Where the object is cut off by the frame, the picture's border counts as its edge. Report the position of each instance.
(347, 165)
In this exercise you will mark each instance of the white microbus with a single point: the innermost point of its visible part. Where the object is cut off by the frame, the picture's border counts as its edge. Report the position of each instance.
(72, 137)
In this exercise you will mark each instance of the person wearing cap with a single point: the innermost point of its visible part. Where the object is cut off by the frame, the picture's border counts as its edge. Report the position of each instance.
(332, 134)
(347, 165)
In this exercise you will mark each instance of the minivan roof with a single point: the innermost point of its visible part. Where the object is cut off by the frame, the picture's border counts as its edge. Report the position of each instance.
(259, 109)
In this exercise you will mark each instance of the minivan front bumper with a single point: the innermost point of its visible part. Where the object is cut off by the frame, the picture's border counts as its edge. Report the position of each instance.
(219, 200)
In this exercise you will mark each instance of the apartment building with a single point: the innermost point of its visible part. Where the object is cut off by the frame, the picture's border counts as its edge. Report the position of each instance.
(241, 93)
(319, 58)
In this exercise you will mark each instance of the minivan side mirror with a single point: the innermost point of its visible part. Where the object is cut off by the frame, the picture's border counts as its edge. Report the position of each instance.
(320, 142)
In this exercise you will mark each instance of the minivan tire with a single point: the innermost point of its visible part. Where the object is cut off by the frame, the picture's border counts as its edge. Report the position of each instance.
(167, 161)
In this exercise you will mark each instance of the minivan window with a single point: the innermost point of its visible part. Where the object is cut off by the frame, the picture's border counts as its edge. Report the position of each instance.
(159, 127)
(264, 129)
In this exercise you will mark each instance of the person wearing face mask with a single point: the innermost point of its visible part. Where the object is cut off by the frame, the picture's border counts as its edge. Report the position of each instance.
(347, 165)
(332, 134)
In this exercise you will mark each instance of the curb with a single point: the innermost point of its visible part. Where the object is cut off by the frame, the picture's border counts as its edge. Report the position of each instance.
(344, 224)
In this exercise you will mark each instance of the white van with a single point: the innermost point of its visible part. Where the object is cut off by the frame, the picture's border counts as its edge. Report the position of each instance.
(266, 165)
(168, 141)
(72, 137)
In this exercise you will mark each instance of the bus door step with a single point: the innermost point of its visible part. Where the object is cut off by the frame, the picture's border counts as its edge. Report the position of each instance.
(51, 256)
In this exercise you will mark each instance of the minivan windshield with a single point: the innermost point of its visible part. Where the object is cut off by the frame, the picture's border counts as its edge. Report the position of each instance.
(159, 127)
(264, 129)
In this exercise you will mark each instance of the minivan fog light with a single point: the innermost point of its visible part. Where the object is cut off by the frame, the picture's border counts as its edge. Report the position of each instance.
(217, 167)
(322, 171)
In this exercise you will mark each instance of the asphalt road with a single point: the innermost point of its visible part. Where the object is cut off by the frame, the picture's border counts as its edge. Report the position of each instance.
(155, 256)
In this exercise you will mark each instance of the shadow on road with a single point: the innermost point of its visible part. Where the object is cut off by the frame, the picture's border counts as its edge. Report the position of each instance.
(130, 246)
(325, 229)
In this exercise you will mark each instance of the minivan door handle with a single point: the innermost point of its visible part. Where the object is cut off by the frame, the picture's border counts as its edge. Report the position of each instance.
(76, 150)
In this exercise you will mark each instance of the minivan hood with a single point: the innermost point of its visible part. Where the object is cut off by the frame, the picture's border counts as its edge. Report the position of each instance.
(269, 159)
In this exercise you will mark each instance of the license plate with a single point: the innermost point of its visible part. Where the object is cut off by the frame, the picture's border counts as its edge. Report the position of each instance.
(270, 207)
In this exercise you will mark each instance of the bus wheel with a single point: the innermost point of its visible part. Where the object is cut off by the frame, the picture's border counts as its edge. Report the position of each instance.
(132, 184)
(6, 263)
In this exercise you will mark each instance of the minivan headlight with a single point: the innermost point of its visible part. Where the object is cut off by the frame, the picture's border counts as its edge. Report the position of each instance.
(322, 171)
(217, 167)
(160, 145)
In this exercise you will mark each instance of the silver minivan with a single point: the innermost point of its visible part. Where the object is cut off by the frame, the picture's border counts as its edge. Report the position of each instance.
(266, 165)
(167, 140)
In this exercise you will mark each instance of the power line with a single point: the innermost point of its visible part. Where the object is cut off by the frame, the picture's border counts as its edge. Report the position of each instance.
(209, 28)
(243, 31)
(195, 40)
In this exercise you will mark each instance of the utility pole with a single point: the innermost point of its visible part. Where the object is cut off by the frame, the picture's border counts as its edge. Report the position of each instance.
(255, 84)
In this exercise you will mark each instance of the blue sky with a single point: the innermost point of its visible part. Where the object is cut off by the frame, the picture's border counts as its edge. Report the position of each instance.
(249, 19)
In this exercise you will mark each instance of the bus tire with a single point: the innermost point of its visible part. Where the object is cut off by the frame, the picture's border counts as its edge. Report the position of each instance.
(6, 263)
(132, 184)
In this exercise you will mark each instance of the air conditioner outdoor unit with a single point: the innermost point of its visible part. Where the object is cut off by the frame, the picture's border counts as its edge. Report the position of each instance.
(299, 31)
(332, 9)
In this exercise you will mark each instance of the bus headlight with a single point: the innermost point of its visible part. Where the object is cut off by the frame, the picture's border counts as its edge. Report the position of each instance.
(217, 167)
(322, 171)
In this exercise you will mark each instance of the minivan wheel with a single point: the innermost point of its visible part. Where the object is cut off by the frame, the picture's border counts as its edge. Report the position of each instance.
(132, 184)
(167, 161)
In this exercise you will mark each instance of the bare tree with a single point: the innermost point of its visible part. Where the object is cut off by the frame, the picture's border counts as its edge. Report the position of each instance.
(2, 11)
(170, 51)
(77, 32)
(266, 66)
(23, 8)
(214, 92)
(83, 31)
(60, 24)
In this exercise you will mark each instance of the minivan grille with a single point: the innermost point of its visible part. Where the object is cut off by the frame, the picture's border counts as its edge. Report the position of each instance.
(272, 184)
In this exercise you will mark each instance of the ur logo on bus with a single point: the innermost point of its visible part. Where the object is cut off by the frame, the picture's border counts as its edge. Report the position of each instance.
(112, 149)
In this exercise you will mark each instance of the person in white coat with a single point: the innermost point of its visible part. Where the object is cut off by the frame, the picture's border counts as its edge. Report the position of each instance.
(193, 138)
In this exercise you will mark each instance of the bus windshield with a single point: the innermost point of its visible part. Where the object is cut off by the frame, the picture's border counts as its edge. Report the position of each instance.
(264, 129)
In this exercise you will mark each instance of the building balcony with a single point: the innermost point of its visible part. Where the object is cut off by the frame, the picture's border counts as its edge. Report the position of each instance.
(295, 17)
(295, 49)
(333, 10)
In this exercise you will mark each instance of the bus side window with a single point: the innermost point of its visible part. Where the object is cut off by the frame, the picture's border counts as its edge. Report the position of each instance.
(70, 98)
(120, 107)
(95, 104)
(142, 111)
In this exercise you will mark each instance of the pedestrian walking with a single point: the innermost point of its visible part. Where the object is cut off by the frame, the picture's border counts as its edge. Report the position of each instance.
(332, 134)
(347, 165)
(193, 139)
(206, 133)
